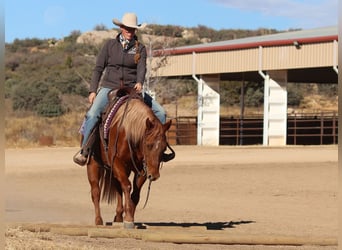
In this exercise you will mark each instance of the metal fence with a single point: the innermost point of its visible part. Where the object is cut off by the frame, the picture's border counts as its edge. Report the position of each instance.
(312, 129)
(302, 129)
(183, 131)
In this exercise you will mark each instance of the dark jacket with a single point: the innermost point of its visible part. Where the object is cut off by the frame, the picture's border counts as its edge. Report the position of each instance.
(119, 64)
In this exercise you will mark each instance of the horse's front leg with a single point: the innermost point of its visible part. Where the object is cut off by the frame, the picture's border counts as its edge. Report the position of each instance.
(126, 187)
(93, 172)
(119, 206)
(128, 205)
(138, 182)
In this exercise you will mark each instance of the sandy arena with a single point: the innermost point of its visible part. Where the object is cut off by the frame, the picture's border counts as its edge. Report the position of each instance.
(270, 194)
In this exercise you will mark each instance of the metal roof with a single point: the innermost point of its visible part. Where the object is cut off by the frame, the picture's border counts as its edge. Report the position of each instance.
(302, 36)
(313, 60)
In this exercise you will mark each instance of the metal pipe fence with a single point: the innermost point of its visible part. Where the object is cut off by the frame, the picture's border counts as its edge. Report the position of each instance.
(312, 129)
(302, 129)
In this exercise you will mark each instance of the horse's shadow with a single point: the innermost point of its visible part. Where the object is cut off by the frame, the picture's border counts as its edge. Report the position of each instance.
(208, 225)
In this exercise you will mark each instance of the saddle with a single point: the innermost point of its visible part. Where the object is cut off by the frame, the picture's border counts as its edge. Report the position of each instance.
(116, 98)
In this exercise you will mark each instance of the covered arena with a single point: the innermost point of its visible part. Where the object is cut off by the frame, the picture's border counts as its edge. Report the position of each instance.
(306, 56)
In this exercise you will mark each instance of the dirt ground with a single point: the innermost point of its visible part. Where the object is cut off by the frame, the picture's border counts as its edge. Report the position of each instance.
(264, 193)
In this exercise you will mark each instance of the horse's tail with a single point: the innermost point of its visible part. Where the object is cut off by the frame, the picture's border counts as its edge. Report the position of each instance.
(109, 186)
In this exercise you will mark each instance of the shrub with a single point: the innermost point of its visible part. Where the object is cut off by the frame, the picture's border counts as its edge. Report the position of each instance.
(37, 97)
(51, 105)
(26, 96)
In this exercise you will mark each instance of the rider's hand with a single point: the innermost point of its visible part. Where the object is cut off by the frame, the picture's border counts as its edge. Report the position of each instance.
(138, 87)
(91, 97)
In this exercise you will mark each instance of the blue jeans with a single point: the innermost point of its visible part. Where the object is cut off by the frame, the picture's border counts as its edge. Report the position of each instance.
(101, 100)
(157, 109)
(94, 113)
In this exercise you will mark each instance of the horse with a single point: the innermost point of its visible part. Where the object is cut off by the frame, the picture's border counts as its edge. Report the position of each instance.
(136, 143)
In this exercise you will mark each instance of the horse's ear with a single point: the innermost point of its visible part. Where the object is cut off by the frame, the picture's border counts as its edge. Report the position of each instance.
(167, 125)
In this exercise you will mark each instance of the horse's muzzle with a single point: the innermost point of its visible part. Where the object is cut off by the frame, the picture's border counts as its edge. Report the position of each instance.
(153, 177)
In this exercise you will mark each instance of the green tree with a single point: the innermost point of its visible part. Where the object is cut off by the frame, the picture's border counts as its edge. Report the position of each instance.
(329, 90)
(294, 94)
(26, 96)
(38, 97)
(254, 96)
(50, 105)
(230, 93)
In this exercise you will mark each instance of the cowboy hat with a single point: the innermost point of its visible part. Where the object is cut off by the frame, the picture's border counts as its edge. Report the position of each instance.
(129, 20)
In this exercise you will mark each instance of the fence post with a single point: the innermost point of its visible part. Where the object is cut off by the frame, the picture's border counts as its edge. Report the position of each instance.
(334, 128)
(322, 128)
(237, 132)
(295, 130)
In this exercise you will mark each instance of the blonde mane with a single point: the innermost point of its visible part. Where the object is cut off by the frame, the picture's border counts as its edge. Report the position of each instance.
(135, 113)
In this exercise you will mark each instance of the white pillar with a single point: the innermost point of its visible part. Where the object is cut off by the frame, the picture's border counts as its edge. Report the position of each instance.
(275, 109)
(208, 124)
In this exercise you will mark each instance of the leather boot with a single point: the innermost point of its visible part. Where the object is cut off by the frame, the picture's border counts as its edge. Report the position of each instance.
(80, 159)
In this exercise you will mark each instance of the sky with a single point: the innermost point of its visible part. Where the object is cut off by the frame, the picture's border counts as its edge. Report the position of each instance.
(44, 19)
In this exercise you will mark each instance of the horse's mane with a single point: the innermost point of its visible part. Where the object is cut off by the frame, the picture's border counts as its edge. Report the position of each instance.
(135, 113)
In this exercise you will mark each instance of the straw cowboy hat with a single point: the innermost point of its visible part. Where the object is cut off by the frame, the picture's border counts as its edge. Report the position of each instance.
(129, 20)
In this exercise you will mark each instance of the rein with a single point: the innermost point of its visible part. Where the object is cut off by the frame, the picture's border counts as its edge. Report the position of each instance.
(133, 161)
(148, 193)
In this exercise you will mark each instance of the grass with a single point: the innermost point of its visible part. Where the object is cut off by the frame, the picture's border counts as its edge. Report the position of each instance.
(21, 132)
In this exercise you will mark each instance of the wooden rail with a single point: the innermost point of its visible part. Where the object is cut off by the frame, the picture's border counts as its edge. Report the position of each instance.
(177, 235)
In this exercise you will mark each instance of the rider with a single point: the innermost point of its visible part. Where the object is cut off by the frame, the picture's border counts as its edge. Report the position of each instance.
(124, 61)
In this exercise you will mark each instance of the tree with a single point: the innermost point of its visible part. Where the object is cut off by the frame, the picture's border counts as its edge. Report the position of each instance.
(100, 27)
(294, 94)
(26, 96)
(37, 97)
(51, 104)
(254, 96)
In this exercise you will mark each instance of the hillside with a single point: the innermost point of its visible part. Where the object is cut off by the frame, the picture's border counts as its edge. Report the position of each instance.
(46, 83)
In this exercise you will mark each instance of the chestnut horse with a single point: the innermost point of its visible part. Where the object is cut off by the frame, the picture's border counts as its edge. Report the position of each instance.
(135, 144)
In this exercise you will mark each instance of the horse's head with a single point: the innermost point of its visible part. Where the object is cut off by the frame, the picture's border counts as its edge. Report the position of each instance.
(154, 145)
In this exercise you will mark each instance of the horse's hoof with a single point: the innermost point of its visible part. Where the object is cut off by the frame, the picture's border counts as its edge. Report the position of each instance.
(118, 219)
(128, 225)
(99, 221)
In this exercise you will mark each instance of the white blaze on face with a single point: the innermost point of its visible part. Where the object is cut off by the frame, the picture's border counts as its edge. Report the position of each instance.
(157, 144)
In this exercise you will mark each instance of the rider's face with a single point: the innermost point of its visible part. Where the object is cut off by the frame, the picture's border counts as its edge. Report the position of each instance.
(127, 32)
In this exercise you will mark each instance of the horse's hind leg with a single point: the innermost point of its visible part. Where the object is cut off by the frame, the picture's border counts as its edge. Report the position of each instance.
(94, 173)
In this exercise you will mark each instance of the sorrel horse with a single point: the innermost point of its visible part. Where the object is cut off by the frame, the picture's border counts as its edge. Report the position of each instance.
(135, 144)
